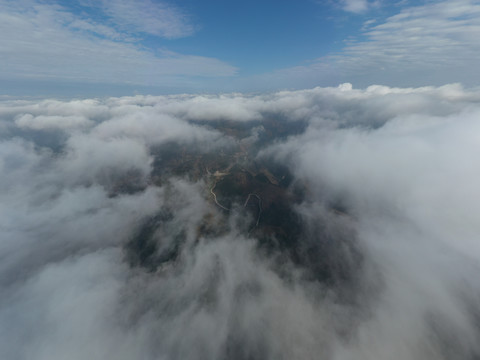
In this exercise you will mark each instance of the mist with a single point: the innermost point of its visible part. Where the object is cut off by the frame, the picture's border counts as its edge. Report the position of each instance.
(364, 243)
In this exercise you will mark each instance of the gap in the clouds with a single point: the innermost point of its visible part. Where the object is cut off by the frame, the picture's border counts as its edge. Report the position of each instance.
(250, 198)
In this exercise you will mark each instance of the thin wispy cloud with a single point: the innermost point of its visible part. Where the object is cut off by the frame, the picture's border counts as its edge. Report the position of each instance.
(100, 30)
(431, 38)
(146, 16)
(435, 43)
(355, 6)
(42, 41)
(156, 45)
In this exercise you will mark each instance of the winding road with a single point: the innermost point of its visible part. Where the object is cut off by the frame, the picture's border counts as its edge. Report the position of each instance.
(259, 205)
(215, 197)
(246, 201)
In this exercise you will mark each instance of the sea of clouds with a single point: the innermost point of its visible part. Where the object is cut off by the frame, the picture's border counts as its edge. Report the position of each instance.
(403, 162)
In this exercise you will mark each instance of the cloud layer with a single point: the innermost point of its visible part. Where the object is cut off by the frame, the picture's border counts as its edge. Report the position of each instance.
(79, 193)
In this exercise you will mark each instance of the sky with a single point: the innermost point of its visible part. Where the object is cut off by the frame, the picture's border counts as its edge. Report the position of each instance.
(120, 47)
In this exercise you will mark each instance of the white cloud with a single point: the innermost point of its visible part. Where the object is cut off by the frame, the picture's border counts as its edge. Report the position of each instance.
(46, 42)
(151, 17)
(409, 182)
(436, 36)
(431, 44)
(99, 29)
(401, 161)
(355, 6)
(51, 122)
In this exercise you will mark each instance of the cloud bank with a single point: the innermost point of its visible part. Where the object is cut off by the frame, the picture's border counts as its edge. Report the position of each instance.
(109, 252)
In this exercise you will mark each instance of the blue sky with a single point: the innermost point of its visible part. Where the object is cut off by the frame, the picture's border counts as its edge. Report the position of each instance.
(123, 47)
